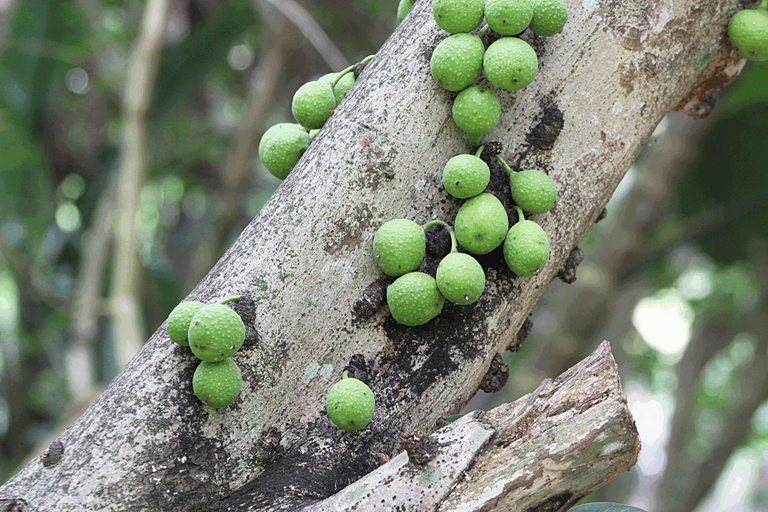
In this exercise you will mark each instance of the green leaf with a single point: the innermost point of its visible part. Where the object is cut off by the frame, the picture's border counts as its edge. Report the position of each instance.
(605, 507)
(451, 418)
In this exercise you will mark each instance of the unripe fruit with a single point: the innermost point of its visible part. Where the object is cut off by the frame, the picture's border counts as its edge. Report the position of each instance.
(457, 61)
(399, 246)
(508, 17)
(466, 176)
(460, 278)
(748, 30)
(526, 248)
(510, 64)
(456, 16)
(481, 224)
(414, 299)
(284, 150)
(274, 130)
(180, 319)
(549, 17)
(342, 87)
(313, 103)
(350, 404)
(403, 8)
(476, 110)
(533, 191)
(216, 332)
(217, 384)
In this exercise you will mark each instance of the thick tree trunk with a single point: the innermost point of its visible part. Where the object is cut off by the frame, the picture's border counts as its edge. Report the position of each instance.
(148, 444)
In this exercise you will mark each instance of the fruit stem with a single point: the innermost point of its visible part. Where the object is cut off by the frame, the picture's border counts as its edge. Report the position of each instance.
(520, 214)
(347, 70)
(506, 165)
(483, 30)
(230, 299)
(345, 374)
(480, 151)
(474, 138)
(446, 226)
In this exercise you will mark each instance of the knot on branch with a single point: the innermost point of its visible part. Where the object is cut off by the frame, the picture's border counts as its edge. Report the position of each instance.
(372, 298)
(357, 368)
(268, 448)
(420, 448)
(568, 273)
(496, 376)
(53, 454)
(522, 334)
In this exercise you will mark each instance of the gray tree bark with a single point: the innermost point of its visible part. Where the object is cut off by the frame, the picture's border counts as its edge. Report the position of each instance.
(148, 444)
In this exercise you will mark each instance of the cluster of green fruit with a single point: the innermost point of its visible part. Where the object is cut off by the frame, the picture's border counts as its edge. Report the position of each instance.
(748, 30)
(282, 145)
(509, 63)
(481, 225)
(213, 332)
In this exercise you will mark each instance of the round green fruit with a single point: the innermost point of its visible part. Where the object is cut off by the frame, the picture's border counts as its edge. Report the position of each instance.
(180, 319)
(274, 130)
(466, 176)
(481, 224)
(313, 104)
(476, 110)
(350, 404)
(457, 16)
(460, 278)
(508, 17)
(510, 64)
(403, 8)
(283, 151)
(342, 87)
(216, 332)
(549, 17)
(533, 190)
(399, 246)
(217, 384)
(457, 61)
(526, 248)
(414, 299)
(748, 30)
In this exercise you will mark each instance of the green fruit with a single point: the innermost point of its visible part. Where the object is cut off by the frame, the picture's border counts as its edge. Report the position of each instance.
(274, 130)
(403, 8)
(508, 17)
(217, 384)
(312, 133)
(399, 246)
(466, 176)
(414, 299)
(313, 103)
(350, 404)
(549, 17)
(457, 16)
(457, 61)
(510, 64)
(748, 30)
(476, 110)
(481, 224)
(533, 191)
(179, 320)
(216, 332)
(460, 278)
(284, 150)
(342, 87)
(526, 249)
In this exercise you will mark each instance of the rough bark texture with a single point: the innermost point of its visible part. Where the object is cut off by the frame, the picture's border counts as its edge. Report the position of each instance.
(603, 85)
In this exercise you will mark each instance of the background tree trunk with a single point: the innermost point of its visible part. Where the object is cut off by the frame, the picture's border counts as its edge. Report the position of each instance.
(603, 85)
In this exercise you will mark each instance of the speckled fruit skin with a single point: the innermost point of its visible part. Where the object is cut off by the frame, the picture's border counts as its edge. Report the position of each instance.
(342, 87)
(283, 152)
(476, 110)
(350, 404)
(274, 130)
(526, 249)
(457, 16)
(399, 246)
(748, 30)
(216, 332)
(460, 278)
(180, 319)
(457, 61)
(217, 384)
(533, 191)
(510, 64)
(465, 176)
(549, 17)
(414, 299)
(508, 17)
(403, 8)
(481, 224)
(313, 104)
